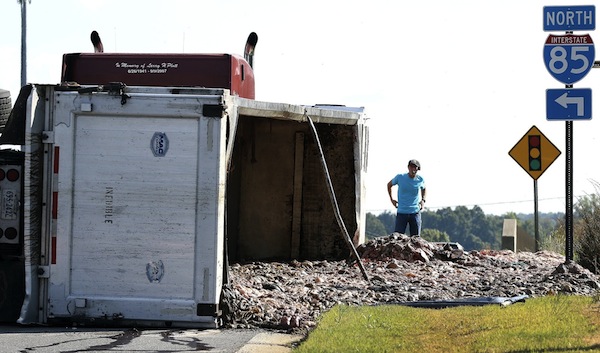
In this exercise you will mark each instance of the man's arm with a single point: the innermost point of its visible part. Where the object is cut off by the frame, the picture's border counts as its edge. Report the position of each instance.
(389, 189)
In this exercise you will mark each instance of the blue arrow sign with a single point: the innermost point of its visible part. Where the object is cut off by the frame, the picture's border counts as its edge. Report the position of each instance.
(569, 104)
(569, 18)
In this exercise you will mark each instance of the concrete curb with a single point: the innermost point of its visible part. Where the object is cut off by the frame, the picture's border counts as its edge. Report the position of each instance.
(270, 343)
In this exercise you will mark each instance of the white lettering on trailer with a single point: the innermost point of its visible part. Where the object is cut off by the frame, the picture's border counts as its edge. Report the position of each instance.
(147, 68)
(569, 18)
(129, 66)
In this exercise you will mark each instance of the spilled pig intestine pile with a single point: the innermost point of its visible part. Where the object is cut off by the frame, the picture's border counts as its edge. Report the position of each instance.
(292, 295)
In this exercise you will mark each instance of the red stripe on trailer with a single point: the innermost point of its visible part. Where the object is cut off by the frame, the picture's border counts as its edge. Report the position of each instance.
(53, 251)
(55, 205)
(56, 155)
(55, 193)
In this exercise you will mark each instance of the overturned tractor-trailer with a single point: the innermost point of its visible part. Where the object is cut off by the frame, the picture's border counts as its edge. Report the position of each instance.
(128, 198)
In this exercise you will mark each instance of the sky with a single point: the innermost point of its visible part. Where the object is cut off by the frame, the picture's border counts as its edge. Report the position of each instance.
(454, 84)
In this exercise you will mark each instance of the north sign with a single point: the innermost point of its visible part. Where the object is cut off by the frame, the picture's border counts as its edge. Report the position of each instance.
(534, 152)
(569, 104)
(569, 18)
(569, 57)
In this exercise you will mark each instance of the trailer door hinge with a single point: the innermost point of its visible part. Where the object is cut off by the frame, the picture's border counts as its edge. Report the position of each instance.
(48, 136)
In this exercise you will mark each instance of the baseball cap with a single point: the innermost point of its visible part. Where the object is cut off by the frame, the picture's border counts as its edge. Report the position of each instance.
(415, 162)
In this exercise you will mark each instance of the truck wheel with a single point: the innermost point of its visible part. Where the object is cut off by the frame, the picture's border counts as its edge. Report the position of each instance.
(5, 107)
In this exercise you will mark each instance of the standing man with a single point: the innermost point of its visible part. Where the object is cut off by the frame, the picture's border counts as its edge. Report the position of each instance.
(411, 198)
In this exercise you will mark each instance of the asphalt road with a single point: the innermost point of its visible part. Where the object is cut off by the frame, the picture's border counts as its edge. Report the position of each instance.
(39, 339)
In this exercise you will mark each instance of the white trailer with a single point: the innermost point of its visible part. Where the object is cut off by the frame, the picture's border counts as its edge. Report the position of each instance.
(134, 199)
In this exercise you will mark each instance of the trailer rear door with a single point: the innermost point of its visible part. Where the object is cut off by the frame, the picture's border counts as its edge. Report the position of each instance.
(138, 217)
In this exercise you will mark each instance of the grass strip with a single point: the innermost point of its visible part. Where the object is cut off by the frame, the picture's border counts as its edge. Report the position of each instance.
(557, 323)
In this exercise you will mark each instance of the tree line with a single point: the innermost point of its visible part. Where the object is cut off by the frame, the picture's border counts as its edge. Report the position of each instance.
(475, 230)
(472, 228)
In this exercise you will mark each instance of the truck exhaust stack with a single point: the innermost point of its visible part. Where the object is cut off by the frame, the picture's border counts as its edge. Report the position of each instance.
(98, 47)
(249, 48)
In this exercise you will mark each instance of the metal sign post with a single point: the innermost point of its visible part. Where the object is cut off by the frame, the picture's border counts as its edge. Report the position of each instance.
(569, 192)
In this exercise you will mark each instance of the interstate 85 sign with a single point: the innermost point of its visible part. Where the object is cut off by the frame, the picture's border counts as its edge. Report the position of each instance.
(569, 57)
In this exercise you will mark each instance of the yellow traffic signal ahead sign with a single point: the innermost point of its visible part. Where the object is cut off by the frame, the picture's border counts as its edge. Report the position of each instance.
(534, 152)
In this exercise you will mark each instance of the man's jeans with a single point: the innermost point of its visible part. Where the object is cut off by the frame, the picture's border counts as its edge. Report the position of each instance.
(413, 220)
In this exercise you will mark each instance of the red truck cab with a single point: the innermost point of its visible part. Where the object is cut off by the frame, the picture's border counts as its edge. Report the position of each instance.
(176, 70)
(226, 71)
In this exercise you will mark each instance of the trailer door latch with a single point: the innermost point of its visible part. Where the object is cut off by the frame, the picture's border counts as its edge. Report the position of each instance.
(48, 136)
(114, 88)
(117, 88)
(43, 271)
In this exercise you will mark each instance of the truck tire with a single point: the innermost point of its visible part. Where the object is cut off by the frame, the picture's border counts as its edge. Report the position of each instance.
(5, 108)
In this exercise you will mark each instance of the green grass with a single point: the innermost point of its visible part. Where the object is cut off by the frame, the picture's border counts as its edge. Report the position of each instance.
(549, 324)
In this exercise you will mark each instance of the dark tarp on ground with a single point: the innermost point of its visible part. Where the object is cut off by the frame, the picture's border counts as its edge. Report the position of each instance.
(480, 301)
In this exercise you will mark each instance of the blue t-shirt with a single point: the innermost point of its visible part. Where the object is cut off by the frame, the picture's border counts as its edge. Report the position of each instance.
(409, 192)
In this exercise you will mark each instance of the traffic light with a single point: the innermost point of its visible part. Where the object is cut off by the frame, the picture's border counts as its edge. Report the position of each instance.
(535, 153)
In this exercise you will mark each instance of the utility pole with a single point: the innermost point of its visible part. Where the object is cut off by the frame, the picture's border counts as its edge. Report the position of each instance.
(23, 41)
